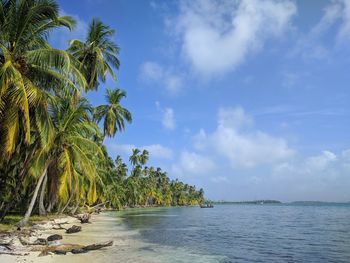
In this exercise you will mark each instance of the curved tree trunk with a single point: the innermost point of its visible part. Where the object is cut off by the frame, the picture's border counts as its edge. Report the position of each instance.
(74, 210)
(42, 210)
(25, 219)
(65, 207)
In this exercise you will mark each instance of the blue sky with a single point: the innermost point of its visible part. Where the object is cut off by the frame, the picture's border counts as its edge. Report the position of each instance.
(247, 99)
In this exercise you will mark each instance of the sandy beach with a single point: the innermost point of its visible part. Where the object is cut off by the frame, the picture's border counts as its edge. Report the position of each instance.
(94, 232)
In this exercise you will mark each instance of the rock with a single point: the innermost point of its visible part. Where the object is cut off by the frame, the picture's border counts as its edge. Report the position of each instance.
(40, 241)
(54, 237)
(73, 229)
(84, 218)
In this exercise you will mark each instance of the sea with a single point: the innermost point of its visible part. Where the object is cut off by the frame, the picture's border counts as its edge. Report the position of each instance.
(238, 233)
(227, 233)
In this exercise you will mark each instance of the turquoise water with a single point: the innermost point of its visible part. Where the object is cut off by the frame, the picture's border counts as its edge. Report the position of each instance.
(242, 233)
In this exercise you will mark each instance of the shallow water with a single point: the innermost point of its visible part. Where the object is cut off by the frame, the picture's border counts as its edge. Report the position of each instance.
(224, 234)
(244, 233)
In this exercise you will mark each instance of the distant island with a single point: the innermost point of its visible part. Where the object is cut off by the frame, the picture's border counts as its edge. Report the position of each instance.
(254, 202)
(316, 203)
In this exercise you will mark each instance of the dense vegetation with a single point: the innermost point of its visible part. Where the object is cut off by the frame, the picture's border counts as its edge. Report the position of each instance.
(52, 157)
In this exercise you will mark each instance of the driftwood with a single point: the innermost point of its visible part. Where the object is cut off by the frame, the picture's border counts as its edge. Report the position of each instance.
(54, 237)
(73, 248)
(73, 229)
(59, 227)
(8, 245)
(13, 253)
(84, 218)
(39, 241)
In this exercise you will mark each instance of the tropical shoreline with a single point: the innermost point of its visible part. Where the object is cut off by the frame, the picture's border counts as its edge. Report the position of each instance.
(45, 229)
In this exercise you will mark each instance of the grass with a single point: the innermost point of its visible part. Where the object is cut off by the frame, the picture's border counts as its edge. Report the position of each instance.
(9, 223)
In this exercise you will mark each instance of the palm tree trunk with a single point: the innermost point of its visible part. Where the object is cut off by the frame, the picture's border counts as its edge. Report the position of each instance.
(65, 207)
(25, 219)
(75, 208)
(42, 210)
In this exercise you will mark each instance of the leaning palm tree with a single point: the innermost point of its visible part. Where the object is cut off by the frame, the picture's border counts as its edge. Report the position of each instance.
(98, 54)
(68, 158)
(29, 65)
(113, 113)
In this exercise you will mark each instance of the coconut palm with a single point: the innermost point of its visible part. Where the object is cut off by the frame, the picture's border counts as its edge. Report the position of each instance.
(135, 158)
(70, 154)
(98, 54)
(29, 65)
(113, 113)
(144, 157)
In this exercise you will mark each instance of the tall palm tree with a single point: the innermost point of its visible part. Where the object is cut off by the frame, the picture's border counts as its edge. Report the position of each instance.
(135, 158)
(98, 54)
(29, 65)
(113, 113)
(70, 153)
(144, 157)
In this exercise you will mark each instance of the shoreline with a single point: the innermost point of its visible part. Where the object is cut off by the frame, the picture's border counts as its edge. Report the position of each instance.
(30, 253)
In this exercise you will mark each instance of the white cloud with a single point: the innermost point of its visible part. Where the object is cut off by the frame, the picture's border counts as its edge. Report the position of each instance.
(61, 37)
(156, 150)
(241, 145)
(168, 117)
(193, 164)
(324, 176)
(336, 11)
(319, 162)
(336, 18)
(217, 36)
(152, 73)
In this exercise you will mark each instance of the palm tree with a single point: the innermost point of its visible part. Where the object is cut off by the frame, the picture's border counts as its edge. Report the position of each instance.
(144, 157)
(113, 113)
(98, 54)
(70, 153)
(135, 158)
(29, 65)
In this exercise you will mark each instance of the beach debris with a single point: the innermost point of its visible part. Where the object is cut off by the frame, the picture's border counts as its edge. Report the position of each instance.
(78, 251)
(38, 241)
(59, 227)
(54, 237)
(73, 229)
(8, 245)
(60, 252)
(73, 248)
(84, 218)
(13, 253)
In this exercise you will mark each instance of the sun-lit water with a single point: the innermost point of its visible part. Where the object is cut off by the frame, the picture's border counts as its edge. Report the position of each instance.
(242, 233)
(224, 234)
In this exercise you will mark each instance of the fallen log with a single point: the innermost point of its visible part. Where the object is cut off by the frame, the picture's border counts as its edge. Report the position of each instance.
(73, 248)
(98, 246)
(73, 229)
(39, 241)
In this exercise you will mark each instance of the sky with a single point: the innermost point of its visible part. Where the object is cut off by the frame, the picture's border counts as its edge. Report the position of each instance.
(248, 99)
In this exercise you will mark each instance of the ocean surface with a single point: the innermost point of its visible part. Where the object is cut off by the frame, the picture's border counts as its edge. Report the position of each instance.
(236, 233)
